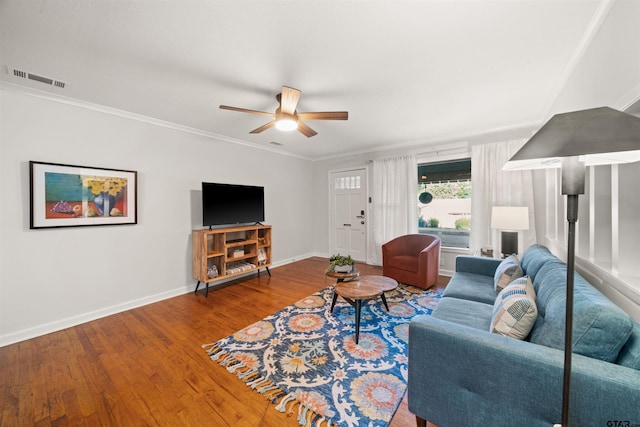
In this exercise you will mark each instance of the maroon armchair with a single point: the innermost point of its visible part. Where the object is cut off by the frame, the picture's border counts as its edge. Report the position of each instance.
(413, 259)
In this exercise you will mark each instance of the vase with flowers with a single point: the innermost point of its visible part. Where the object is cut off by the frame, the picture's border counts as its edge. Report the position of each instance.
(105, 191)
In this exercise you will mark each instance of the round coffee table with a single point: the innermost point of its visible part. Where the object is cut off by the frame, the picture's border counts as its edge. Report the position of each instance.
(362, 289)
(386, 283)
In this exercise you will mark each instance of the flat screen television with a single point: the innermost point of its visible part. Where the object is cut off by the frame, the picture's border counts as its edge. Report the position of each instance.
(226, 204)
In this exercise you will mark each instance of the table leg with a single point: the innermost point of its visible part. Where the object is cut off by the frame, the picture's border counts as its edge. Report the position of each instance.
(335, 295)
(358, 309)
(333, 301)
(384, 300)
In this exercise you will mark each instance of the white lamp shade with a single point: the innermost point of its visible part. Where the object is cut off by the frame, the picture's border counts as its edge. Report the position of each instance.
(510, 218)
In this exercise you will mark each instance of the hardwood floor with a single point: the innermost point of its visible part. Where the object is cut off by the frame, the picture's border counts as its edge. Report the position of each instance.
(146, 367)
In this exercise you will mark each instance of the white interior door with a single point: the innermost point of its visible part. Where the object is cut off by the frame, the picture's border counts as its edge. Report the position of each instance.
(348, 205)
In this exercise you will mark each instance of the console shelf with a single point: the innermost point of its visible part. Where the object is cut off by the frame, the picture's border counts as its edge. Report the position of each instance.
(233, 251)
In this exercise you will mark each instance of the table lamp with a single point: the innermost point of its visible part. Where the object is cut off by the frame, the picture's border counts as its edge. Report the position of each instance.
(509, 219)
(572, 141)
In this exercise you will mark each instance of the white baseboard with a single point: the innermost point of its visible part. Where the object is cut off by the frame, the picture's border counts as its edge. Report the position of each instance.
(47, 328)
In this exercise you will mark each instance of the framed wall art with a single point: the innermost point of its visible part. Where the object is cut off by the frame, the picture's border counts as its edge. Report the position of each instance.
(72, 196)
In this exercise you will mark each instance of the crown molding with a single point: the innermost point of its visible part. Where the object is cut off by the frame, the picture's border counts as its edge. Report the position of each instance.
(630, 103)
(12, 87)
(443, 142)
(598, 18)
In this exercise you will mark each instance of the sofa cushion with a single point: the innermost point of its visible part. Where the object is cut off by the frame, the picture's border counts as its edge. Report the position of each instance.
(514, 311)
(630, 354)
(600, 328)
(470, 286)
(508, 270)
(534, 258)
(463, 312)
(404, 262)
(477, 265)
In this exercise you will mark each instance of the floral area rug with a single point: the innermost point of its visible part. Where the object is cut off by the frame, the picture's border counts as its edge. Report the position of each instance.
(305, 360)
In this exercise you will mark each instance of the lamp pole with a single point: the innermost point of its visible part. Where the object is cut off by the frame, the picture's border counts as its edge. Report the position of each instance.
(573, 178)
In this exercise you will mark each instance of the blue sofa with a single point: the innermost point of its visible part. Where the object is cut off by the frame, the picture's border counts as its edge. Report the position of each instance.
(460, 374)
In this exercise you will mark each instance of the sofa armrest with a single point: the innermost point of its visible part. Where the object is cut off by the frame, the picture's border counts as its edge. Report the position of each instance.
(476, 264)
(391, 246)
(462, 376)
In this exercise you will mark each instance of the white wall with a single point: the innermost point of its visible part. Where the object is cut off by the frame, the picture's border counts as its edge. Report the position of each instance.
(54, 278)
(429, 151)
(608, 74)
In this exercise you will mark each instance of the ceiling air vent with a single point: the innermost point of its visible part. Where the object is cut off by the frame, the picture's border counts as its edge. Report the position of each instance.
(35, 77)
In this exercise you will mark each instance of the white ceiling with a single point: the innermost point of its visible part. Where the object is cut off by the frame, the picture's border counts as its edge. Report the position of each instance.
(406, 71)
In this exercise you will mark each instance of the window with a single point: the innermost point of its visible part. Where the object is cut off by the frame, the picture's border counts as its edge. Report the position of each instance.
(444, 201)
(347, 182)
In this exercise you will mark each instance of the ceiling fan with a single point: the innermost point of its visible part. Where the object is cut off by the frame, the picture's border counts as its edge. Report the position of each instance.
(287, 118)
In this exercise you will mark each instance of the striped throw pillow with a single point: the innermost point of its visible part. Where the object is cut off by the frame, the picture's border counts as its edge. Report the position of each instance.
(515, 311)
(508, 270)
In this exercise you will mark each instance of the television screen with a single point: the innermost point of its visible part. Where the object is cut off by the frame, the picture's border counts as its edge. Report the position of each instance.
(224, 204)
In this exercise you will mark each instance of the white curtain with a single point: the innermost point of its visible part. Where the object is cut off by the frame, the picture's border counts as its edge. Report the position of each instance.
(394, 207)
(491, 186)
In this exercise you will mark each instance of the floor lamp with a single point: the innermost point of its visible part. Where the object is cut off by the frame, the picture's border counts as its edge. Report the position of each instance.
(572, 141)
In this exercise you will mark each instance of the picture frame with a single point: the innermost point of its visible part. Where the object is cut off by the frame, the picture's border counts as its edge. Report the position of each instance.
(64, 195)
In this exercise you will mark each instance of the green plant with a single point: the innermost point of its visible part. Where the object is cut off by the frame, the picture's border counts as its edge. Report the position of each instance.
(434, 222)
(447, 190)
(338, 259)
(463, 223)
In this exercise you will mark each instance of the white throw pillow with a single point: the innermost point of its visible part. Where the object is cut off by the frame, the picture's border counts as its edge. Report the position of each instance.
(515, 311)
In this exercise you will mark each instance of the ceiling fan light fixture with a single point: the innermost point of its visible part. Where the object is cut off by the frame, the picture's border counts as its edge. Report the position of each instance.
(287, 118)
(287, 122)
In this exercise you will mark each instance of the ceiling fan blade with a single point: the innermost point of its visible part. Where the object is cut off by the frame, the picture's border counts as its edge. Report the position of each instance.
(264, 127)
(289, 99)
(326, 115)
(244, 110)
(306, 130)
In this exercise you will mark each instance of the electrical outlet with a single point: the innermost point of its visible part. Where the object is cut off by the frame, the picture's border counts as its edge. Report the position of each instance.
(441, 262)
